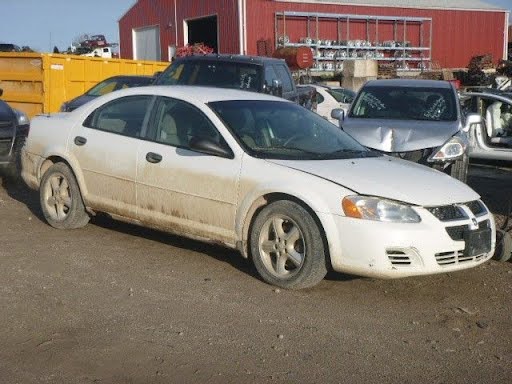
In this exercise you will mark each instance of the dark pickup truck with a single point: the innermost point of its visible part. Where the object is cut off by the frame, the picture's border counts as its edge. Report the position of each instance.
(251, 73)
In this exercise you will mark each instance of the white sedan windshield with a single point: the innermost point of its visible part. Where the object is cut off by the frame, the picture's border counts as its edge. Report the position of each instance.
(282, 130)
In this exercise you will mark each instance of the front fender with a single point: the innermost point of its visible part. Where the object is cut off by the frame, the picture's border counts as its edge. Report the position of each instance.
(321, 196)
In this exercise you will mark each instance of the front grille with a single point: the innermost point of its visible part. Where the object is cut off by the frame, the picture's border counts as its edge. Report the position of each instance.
(455, 212)
(419, 156)
(448, 212)
(477, 208)
(457, 232)
(457, 257)
(484, 224)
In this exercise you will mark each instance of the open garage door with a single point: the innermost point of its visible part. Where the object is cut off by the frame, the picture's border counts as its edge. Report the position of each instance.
(146, 44)
(203, 30)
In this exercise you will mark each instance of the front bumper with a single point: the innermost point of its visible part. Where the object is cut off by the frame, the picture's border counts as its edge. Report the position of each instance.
(30, 168)
(393, 250)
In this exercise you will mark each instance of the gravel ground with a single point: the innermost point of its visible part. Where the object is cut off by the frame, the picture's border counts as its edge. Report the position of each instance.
(114, 303)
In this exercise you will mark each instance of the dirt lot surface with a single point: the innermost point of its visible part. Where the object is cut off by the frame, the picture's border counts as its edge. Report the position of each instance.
(114, 303)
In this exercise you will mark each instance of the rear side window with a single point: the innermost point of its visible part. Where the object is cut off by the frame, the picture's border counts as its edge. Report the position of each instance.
(284, 75)
(123, 116)
(103, 88)
(214, 74)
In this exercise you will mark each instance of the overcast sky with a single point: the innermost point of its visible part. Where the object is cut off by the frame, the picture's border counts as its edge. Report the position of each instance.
(43, 24)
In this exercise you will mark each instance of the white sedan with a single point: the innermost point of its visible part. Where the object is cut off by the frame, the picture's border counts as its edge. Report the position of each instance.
(256, 173)
(329, 98)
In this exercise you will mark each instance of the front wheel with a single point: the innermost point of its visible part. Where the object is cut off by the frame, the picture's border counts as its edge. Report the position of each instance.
(459, 169)
(61, 200)
(287, 246)
(503, 250)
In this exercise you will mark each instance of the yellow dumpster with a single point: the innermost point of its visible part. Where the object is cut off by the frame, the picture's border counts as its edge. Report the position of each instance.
(40, 82)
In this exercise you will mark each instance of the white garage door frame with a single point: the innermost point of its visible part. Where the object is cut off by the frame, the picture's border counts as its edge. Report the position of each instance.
(154, 55)
(185, 28)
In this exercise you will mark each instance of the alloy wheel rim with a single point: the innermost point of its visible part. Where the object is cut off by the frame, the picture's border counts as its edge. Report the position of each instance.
(281, 246)
(57, 197)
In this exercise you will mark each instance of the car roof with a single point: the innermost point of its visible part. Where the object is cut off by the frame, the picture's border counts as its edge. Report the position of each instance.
(497, 96)
(420, 83)
(231, 58)
(197, 93)
(129, 77)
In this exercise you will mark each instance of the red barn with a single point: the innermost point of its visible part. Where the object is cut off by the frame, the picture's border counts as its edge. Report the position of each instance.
(411, 33)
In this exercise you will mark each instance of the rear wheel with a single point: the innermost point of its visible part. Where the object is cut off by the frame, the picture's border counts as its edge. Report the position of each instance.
(61, 200)
(287, 246)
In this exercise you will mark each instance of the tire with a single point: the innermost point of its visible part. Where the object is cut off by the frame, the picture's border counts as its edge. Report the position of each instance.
(287, 247)
(503, 250)
(459, 169)
(61, 200)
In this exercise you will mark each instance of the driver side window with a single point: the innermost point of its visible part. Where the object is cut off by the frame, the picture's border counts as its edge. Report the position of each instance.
(175, 122)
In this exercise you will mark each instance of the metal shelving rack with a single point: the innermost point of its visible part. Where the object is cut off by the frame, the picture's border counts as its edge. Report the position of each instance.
(401, 53)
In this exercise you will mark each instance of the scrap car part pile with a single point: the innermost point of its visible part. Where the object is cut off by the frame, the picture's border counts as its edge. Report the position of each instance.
(195, 49)
(476, 75)
(504, 68)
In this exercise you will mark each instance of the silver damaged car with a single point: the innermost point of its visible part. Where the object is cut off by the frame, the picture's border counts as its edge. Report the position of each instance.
(417, 120)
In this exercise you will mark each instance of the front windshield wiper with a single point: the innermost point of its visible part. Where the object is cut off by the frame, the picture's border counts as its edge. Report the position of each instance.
(352, 152)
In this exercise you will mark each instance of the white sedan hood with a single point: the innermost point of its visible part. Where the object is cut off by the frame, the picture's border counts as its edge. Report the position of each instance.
(390, 178)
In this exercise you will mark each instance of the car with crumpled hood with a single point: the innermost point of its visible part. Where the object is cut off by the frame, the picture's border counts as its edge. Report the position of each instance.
(417, 120)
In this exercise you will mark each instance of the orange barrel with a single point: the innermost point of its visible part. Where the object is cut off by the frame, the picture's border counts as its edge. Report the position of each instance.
(295, 57)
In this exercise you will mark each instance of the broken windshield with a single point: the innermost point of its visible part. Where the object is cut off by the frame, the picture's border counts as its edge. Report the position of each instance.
(405, 103)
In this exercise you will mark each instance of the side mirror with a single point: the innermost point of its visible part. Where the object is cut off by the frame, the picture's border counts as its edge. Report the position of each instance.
(210, 147)
(277, 88)
(338, 114)
(472, 119)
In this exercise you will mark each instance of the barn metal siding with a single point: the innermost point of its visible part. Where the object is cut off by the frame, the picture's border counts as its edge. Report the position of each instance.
(161, 12)
(146, 13)
(456, 34)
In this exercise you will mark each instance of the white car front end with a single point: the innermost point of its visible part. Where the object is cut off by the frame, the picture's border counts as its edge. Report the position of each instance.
(389, 242)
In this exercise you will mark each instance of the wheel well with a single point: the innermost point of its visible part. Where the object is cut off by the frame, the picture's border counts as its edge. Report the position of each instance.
(269, 198)
(49, 162)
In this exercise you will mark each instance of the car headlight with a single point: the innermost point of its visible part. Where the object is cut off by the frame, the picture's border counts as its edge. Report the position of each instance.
(378, 209)
(452, 149)
(21, 117)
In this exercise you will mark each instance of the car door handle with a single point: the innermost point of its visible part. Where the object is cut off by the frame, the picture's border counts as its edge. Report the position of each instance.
(79, 140)
(154, 158)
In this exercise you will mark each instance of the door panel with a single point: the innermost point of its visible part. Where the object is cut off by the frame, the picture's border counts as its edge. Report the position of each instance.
(106, 150)
(187, 193)
(108, 164)
(184, 191)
